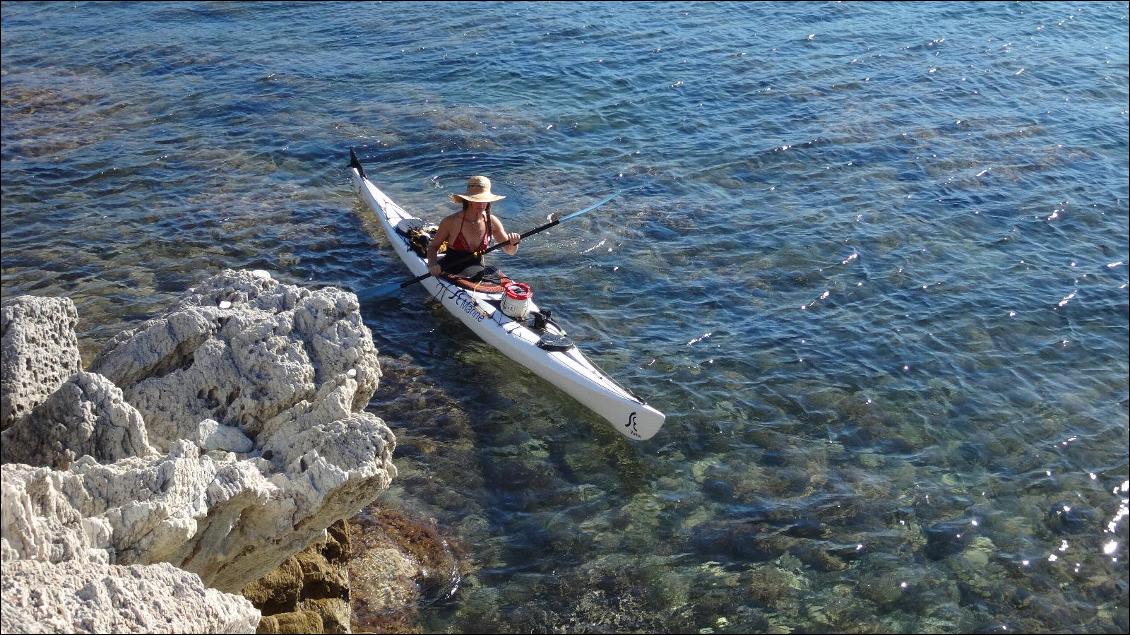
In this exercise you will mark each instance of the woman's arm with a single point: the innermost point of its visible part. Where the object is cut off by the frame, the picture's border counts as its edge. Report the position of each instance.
(513, 239)
(440, 237)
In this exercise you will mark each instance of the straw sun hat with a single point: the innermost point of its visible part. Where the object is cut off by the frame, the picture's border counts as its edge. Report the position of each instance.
(478, 191)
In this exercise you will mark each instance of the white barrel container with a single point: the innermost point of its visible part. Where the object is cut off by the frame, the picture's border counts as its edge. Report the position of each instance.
(516, 300)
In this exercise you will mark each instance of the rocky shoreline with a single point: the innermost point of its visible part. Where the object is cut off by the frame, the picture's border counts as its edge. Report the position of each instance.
(193, 476)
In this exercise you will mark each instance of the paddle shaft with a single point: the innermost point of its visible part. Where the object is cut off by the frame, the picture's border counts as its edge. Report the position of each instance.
(391, 288)
(479, 254)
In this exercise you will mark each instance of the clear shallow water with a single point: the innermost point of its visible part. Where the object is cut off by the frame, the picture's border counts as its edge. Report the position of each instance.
(876, 276)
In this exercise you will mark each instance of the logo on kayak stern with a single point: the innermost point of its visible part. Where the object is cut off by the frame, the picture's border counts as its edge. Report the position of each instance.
(632, 424)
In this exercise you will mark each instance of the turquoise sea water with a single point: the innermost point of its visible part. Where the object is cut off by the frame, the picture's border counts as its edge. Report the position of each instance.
(875, 274)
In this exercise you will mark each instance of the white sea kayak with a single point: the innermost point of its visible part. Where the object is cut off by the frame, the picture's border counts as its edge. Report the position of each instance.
(542, 347)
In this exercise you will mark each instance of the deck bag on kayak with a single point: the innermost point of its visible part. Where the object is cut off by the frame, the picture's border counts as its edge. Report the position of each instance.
(558, 343)
(420, 236)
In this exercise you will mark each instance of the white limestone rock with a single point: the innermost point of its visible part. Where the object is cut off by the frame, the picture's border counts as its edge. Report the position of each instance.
(269, 378)
(38, 352)
(42, 518)
(210, 435)
(241, 366)
(88, 597)
(224, 520)
(86, 415)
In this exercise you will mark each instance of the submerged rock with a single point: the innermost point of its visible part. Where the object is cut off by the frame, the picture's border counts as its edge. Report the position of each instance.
(718, 489)
(769, 583)
(806, 528)
(946, 539)
(403, 562)
(1065, 518)
(384, 592)
(740, 541)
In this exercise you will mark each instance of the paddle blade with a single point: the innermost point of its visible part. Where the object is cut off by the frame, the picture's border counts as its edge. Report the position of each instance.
(379, 291)
(593, 206)
(599, 203)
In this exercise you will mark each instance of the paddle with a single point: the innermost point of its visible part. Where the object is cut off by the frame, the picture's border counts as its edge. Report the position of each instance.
(392, 288)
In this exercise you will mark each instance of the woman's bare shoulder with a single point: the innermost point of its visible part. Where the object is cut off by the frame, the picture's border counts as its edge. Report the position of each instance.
(449, 219)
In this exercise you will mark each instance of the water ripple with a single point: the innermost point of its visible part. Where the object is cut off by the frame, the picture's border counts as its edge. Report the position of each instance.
(873, 271)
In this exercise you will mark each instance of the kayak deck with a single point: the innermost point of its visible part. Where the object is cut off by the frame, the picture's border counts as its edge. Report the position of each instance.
(567, 369)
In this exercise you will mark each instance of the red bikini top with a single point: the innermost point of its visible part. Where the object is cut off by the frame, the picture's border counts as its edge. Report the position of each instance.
(460, 243)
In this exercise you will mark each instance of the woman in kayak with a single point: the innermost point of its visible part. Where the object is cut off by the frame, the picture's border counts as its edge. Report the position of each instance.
(468, 231)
